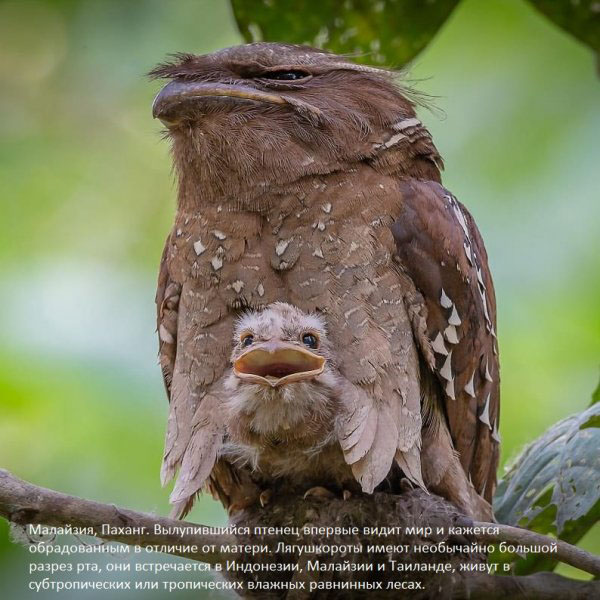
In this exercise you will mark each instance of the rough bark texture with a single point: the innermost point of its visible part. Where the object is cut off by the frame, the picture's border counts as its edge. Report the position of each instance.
(23, 503)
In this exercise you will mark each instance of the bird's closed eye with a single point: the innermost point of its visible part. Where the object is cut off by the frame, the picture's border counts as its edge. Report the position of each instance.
(310, 340)
(288, 75)
(247, 340)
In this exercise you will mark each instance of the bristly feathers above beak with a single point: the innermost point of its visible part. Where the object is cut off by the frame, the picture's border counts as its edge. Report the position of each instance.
(275, 364)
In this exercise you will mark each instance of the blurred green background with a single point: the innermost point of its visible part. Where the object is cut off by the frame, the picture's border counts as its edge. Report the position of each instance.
(88, 197)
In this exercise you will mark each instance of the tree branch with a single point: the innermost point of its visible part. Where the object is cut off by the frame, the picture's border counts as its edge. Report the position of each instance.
(539, 586)
(24, 503)
(566, 553)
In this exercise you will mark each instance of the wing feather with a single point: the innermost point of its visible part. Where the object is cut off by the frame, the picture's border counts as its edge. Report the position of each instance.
(380, 378)
(375, 465)
(201, 453)
(167, 306)
(357, 445)
(441, 250)
(191, 366)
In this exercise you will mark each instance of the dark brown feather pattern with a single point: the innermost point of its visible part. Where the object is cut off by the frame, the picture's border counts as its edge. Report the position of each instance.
(441, 249)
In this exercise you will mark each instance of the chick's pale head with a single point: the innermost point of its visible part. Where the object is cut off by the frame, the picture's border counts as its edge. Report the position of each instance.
(283, 371)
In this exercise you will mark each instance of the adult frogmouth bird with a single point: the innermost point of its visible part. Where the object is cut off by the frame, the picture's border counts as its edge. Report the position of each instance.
(305, 178)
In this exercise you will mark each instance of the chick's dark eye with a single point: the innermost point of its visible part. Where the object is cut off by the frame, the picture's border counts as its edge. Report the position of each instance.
(247, 340)
(284, 75)
(310, 340)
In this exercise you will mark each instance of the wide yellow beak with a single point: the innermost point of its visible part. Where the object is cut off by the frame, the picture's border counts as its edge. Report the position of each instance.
(278, 363)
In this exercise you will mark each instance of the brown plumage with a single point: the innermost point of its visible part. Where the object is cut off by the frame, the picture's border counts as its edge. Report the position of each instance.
(307, 179)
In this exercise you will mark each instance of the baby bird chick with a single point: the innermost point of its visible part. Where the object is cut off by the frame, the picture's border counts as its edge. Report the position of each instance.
(281, 401)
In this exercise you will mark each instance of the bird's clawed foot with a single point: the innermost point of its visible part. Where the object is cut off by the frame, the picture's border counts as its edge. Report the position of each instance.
(247, 500)
(406, 485)
(237, 507)
(322, 494)
(265, 497)
(318, 493)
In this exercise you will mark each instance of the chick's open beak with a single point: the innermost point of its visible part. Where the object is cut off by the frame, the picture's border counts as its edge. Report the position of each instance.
(278, 363)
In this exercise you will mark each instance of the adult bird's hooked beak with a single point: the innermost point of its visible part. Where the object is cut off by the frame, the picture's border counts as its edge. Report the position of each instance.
(276, 363)
(176, 96)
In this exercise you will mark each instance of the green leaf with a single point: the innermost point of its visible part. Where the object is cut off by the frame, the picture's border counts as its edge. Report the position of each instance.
(577, 487)
(554, 486)
(580, 19)
(593, 421)
(389, 32)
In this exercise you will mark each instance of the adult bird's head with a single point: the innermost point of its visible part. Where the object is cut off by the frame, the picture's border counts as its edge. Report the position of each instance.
(249, 116)
(283, 372)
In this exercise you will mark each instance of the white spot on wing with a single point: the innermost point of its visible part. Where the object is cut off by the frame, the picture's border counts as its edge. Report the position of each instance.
(446, 370)
(487, 371)
(454, 318)
(469, 388)
(216, 262)
(281, 247)
(484, 417)
(164, 335)
(468, 253)
(461, 219)
(238, 285)
(450, 334)
(495, 434)
(486, 314)
(438, 345)
(450, 389)
(480, 278)
(199, 247)
(444, 300)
